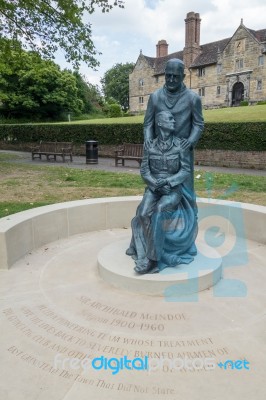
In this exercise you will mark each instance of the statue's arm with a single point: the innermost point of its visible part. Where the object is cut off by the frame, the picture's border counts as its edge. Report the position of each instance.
(184, 171)
(145, 172)
(149, 121)
(197, 121)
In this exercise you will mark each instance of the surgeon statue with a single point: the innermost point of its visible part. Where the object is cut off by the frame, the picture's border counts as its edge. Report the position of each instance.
(165, 226)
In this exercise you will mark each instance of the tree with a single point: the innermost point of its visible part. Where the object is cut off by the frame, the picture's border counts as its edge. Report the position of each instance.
(111, 109)
(115, 83)
(47, 25)
(88, 93)
(34, 87)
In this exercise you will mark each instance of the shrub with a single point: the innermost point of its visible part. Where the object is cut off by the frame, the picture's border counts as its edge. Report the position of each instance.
(114, 111)
(241, 136)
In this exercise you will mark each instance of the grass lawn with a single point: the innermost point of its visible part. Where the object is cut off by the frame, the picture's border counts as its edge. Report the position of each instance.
(25, 186)
(230, 114)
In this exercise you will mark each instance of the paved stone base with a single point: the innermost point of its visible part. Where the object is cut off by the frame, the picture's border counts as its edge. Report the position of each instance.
(55, 307)
(117, 268)
(57, 314)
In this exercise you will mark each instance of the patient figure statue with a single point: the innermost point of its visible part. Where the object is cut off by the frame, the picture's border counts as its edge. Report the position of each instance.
(165, 226)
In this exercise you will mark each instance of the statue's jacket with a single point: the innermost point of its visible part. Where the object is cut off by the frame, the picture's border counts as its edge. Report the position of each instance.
(186, 108)
(172, 164)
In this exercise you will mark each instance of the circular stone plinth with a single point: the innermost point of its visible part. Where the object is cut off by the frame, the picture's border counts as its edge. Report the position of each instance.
(117, 268)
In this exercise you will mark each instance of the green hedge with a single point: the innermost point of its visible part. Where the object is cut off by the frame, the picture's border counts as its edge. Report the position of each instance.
(246, 136)
(220, 136)
(79, 133)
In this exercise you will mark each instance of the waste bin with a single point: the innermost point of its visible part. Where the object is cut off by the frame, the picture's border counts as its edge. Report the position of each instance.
(91, 152)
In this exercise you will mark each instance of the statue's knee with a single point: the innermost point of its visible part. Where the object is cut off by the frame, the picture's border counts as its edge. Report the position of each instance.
(142, 213)
(159, 208)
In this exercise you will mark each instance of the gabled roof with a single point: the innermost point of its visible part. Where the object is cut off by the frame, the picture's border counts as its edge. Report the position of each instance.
(158, 63)
(259, 35)
(209, 53)
(208, 56)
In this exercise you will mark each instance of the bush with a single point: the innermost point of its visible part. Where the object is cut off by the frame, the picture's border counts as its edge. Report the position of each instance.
(238, 136)
(114, 111)
(244, 103)
(246, 136)
(111, 134)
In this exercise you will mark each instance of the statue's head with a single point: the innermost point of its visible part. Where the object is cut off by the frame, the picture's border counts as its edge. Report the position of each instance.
(174, 74)
(165, 122)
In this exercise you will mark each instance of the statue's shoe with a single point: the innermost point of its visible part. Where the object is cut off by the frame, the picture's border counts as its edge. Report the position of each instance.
(130, 251)
(150, 268)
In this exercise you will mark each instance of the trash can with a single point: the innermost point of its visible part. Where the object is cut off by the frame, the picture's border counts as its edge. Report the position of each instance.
(91, 152)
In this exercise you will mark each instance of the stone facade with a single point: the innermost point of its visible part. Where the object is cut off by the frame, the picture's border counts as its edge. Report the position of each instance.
(223, 73)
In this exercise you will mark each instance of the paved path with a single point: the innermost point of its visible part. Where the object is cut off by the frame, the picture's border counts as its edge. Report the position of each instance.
(108, 164)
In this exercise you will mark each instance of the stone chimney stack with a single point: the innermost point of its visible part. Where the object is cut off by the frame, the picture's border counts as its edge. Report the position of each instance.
(162, 48)
(192, 38)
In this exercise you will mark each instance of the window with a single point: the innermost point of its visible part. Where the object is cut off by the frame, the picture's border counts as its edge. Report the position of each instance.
(239, 63)
(141, 100)
(219, 68)
(259, 84)
(261, 60)
(201, 72)
(202, 92)
(141, 82)
(218, 90)
(157, 79)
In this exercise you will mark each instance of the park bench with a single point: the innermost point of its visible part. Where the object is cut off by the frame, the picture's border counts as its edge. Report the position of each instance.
(128, 151)
(52, 149)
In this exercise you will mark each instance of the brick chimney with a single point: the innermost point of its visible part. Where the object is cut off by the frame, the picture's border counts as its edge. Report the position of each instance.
(192, 38)
(162, 48)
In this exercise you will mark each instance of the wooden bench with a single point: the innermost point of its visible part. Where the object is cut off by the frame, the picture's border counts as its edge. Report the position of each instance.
(128, 151)
(52, 149)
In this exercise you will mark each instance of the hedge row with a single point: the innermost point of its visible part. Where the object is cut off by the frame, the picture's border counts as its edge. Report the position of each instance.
(246, 136)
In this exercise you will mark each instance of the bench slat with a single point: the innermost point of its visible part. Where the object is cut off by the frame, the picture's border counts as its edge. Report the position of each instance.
(52, 150)
(129, 151)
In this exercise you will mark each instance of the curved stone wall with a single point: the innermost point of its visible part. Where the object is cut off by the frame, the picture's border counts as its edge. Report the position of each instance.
(28, 230)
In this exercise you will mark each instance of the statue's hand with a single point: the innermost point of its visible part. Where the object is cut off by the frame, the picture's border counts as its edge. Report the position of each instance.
(160, 182)
(186, 144)
(147, 143)
(166, 189)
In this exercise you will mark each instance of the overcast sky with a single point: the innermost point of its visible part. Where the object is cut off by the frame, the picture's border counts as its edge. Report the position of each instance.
(120, 34)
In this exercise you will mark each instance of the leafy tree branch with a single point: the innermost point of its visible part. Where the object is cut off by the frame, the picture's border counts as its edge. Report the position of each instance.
(47, 25)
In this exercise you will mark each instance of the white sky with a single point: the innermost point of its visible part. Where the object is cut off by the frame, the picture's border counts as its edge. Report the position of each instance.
(120, 34)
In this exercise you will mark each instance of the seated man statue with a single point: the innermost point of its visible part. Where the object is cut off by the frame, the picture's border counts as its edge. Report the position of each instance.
(165, 226)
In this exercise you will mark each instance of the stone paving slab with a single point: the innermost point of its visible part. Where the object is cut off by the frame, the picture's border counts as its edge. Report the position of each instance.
(55, 307)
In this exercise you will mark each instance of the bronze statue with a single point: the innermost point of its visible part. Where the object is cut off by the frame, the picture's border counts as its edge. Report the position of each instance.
(165, 226)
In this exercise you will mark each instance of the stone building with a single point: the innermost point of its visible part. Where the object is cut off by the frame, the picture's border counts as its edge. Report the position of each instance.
(223, 73)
